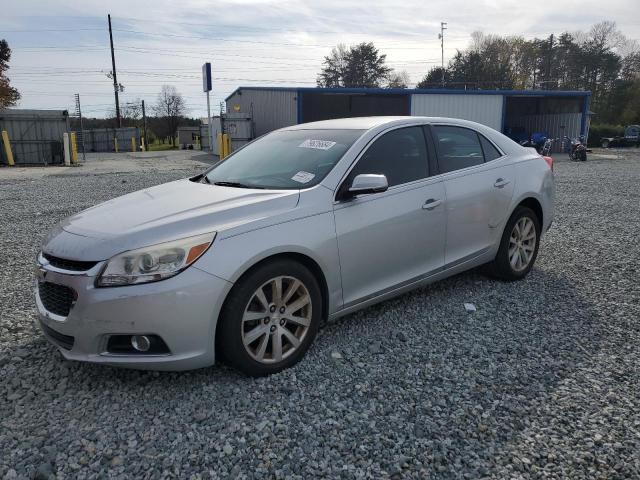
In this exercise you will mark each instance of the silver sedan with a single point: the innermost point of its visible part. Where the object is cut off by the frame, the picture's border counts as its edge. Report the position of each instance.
(308, 223)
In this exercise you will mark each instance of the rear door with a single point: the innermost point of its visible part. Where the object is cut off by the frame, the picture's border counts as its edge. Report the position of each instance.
(479, 182)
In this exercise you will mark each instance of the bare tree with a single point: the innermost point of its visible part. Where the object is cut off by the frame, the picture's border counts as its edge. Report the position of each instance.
(398, 79)
(170, 106)
(131, 112)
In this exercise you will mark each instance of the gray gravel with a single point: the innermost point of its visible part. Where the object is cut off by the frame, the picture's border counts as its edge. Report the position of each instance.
(541, 381)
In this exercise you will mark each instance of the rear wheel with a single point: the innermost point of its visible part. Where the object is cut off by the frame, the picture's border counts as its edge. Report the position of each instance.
(270, 318)
(518, 247)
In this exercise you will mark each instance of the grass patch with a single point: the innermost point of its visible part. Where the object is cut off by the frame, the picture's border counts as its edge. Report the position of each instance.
(160, 147)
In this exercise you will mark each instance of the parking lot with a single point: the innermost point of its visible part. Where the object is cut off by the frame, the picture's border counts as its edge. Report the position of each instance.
(541, 381)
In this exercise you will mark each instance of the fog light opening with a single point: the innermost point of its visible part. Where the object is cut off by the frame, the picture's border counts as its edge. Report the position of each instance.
(141, 343)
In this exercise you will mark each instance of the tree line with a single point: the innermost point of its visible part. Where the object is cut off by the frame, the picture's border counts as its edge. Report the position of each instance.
(601, 60)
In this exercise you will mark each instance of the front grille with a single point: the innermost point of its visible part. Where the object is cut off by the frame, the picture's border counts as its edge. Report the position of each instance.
(56, 298)
(71, 265)
(64, 341)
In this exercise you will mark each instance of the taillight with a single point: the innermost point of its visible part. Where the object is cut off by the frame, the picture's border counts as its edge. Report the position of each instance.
(549, 161)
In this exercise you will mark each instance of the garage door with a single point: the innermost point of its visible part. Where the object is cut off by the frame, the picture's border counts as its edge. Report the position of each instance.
(325, 106)
(484, 109)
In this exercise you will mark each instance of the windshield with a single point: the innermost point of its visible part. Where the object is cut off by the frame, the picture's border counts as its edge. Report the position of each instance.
(289, 159)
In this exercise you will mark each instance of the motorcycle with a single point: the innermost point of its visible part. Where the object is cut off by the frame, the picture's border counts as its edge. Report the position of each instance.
(548, 145)
(537, 141)
(577, 149)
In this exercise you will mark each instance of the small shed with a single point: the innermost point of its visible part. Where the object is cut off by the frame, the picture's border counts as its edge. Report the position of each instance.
(36, 136)
(238, 126)
(188, 137)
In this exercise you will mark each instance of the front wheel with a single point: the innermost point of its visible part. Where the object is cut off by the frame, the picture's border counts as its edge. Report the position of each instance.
(518, 247)
(270, 318)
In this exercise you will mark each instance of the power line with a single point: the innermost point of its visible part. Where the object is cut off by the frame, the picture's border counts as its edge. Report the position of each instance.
(258, 42)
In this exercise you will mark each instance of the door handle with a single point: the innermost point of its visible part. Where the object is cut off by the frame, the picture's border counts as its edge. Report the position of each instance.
(501, 182)
(431, 204)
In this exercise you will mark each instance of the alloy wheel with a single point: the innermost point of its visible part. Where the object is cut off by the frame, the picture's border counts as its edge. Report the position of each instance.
(276, 319)
(522, 244)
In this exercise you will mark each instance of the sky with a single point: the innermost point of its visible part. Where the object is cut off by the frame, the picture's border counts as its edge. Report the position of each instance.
(62, 48)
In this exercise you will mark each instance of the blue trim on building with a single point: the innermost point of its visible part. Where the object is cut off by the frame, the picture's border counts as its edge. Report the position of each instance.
(411, 91)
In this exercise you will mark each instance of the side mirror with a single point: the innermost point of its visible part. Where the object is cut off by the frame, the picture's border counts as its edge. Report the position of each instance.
(368, 183)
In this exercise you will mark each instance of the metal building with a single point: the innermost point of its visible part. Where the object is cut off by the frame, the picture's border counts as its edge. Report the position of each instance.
(270, 108)
(237, 125)
(36, 136)
(516, 113)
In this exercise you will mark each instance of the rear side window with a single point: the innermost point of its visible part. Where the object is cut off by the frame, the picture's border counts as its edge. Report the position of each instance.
(400, 155)
(458, 148)
(490, 152)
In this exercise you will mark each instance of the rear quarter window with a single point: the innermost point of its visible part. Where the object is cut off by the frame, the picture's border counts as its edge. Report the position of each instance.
(490, 152)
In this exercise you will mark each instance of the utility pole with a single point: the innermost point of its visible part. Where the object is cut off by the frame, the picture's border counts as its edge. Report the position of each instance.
(441, 37)
(144, 127)
(115, 78)
(79, 114)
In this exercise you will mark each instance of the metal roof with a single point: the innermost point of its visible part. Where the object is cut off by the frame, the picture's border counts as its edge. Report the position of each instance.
(411, 91)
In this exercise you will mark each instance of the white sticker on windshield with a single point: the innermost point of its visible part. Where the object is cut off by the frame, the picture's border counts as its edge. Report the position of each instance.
(317, 144)
(303, 177)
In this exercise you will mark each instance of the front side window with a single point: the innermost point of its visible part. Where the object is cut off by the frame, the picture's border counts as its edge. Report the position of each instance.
(458, 148)
(400, 155)
(287, 159)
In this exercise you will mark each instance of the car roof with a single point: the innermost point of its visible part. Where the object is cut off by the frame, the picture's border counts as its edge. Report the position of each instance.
(367, 123)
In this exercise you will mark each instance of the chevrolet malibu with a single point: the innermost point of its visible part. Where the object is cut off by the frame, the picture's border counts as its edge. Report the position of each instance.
(305, 224)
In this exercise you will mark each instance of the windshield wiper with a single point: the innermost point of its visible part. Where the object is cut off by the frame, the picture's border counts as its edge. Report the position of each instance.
(234, 184)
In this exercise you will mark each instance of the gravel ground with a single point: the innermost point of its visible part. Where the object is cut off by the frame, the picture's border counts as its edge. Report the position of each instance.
(541, 381)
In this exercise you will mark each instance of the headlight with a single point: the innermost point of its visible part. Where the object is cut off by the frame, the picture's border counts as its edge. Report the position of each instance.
(157, 262)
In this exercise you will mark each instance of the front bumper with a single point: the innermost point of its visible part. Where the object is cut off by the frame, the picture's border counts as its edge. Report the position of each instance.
(182, 310)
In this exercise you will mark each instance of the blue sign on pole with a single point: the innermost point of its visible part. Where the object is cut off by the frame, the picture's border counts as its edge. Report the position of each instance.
(206, 77)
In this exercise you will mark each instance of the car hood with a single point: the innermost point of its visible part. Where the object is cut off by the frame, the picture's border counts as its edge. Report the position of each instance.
(163, 213)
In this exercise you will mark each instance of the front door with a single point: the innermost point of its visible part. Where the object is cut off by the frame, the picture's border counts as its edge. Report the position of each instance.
(389, 239)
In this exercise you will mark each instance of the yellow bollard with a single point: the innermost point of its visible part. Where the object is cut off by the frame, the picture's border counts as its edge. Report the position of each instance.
(220, 147)
(143, 147)
(133, 144)
(227, 145)
(115, 143)
(7, 148)
(74, 149)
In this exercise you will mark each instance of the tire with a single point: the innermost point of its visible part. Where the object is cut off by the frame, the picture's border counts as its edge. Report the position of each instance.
(257, 320)
(605, 143)
(583, 156)
(502, 267)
